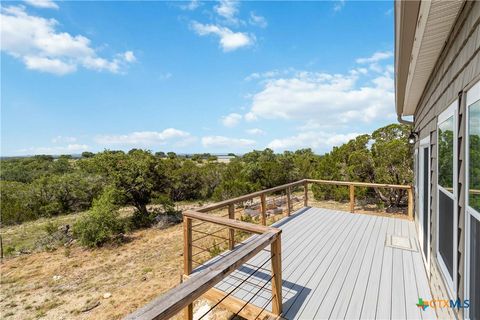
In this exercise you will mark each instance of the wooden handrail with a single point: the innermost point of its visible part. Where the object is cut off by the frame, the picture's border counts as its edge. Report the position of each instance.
(361, 184)
(239, 225)
(186, 293)
(222, 204)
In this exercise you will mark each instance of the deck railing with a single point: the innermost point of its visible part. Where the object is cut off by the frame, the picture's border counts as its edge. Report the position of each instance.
(239, 248)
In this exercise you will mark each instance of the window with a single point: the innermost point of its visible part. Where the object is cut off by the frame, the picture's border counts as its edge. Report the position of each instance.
(445, 154)
(474, 156)
(447, 196)
(472, 212)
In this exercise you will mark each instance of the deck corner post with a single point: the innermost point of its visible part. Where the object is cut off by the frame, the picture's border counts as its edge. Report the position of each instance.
(352, 198)
(263, 200)
(289, 201)
(305, 193)
(231, 231)
(410, 203)
(276, 260)
(187, 259)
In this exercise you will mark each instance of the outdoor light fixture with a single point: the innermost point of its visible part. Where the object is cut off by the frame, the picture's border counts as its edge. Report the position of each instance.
(412, 137)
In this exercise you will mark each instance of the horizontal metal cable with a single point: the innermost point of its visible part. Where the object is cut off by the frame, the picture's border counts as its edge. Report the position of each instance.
(236, 287)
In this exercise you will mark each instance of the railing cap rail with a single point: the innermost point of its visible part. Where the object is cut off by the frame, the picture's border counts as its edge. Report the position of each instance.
(236, 224)
(172, 302)
(249, 196)
(361, 184)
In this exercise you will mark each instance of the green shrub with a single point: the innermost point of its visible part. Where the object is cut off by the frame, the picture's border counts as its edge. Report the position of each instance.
(101, 224)
(51, 227)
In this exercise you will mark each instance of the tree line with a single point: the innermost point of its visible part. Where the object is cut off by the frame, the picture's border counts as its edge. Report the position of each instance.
(43, 186)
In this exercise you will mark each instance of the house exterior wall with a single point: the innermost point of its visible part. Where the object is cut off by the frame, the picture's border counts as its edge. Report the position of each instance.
(456, 70)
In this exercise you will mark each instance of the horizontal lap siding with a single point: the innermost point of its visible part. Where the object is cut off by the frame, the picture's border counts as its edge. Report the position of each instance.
(457, 68)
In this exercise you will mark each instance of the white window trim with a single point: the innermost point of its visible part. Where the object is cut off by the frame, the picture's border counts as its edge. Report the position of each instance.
(424, 143)
(473, 95)
(450, 281)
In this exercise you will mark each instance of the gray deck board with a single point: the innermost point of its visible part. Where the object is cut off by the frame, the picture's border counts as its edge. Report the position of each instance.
(335, 265)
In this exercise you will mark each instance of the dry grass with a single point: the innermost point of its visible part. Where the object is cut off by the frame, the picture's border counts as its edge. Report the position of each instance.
(62, 283)
(51, 285)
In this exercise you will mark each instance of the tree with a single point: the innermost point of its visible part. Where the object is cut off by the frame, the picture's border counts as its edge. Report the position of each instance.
(136, 176)
(160, 154)
(87, 154)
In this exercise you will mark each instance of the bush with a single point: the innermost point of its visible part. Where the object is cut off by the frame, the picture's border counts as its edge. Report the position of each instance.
(101, 224)
(167, 208)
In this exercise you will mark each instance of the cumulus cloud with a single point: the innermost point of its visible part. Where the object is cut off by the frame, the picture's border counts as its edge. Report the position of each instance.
(221, 142)
(45, 4)
(265, 75)
(311, 139)
(56, 150)
(229, 40)
(328, 98)
(148, 138)
(228, 9)
(190, 6)
(376, 57)
(258, 20)
(338, 5)
(255, 132)
(231, 120)
(36, 42)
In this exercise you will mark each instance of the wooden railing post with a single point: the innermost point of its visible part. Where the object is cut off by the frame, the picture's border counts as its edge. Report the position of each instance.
(410, 203)
(187, 259)
(305, 193)
(276, 257)
(352, 198)
(289, 201)
(263, 200)
(231, 231)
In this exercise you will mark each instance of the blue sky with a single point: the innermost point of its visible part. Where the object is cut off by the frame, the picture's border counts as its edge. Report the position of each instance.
(193, 76)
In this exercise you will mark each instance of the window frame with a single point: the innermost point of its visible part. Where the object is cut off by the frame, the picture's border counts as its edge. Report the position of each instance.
(424, 143)
(472, 96)
(451, 111)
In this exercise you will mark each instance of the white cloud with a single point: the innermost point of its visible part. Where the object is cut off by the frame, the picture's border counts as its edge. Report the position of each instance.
(129, 56)
(338, 6)
(55, 66)
(228, 9)
(327, 98)
(255, 132)
(229, 40)
(192, 5)
(257, 20)
(250, 116)
(68, 149)
(311, 139)
(66, 139)
(376, 57)
(231, 120)
(35, 41)
(263, 75)
(221, 142)
(46, 4)
(148, 138)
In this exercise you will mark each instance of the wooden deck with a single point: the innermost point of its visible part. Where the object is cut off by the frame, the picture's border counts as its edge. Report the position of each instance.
(337, 265)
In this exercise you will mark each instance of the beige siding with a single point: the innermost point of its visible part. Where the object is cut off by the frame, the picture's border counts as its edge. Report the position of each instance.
(457, 68)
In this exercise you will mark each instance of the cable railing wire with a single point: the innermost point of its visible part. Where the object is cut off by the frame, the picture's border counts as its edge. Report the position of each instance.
(233, 290)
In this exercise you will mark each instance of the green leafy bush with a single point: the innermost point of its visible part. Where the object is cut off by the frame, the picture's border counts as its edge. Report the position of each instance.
(101, 224)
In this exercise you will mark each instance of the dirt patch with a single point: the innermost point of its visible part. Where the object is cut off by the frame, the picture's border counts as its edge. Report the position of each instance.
(106, 283)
